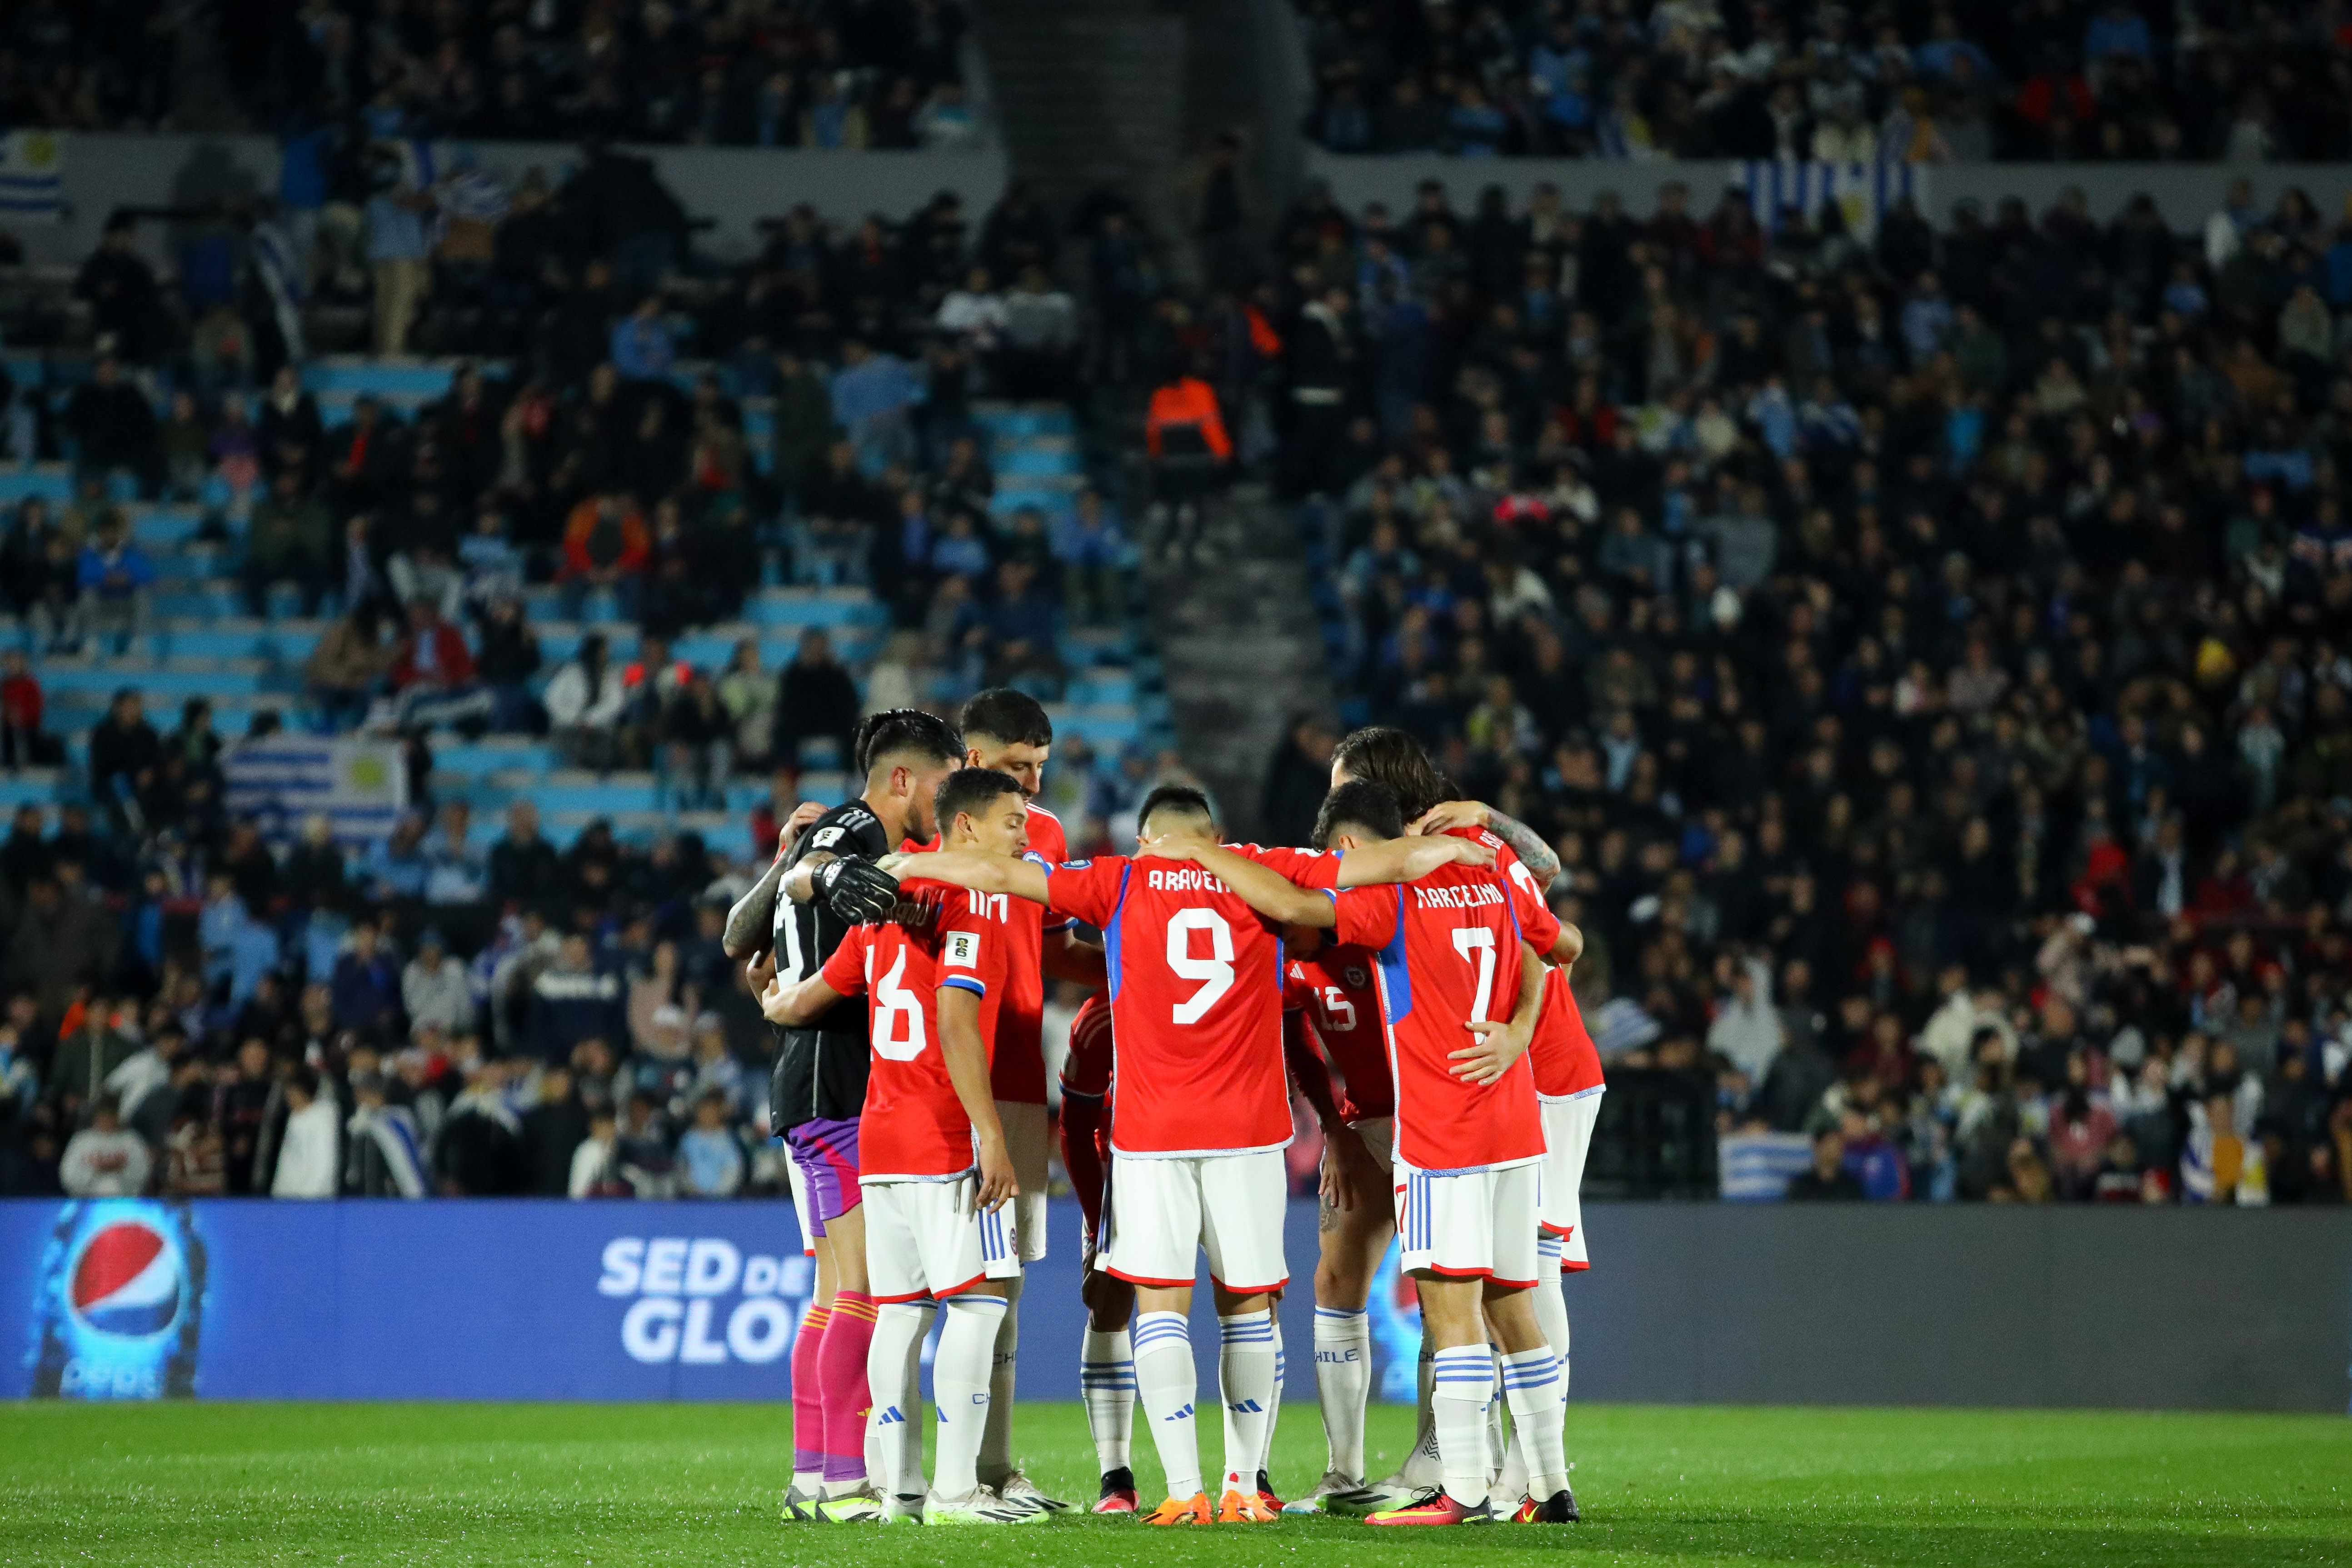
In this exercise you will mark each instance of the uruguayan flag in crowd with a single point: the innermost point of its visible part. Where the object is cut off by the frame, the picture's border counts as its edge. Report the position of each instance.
(361, 785)
(1757, 1167)
(32, 176)
(280, 261)
(1862, 191)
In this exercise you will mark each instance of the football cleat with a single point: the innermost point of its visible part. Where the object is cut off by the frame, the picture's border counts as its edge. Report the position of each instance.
(800, 1506)
(978, 1506)
(1194, 1510)
(1401, 1490)
(1018, 1488)
(1435, 1505)
(1336, 1493)
(1117, 1492)
(864, 1506)
(1558, 1508)
(1246, 1508)
(1265, 1492)
(906, 1507)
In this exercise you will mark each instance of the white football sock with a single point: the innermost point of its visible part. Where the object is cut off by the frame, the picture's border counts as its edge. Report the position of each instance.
(894, 1371)
(996, 1442)
(960, 1371)
(1550, 1303)
(1463, 1386)
(1167, 1385)
(1496, 1451)
(1531, 1385)
(1274, 1406)
(1343, 1383)
(1246, 1377)
(1420, 1467)
(1107, 1379)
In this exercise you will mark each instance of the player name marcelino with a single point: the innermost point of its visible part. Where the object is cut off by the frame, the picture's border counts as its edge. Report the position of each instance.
(1466, 897)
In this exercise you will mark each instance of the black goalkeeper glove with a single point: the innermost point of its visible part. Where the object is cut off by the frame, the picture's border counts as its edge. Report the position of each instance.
(858, 892)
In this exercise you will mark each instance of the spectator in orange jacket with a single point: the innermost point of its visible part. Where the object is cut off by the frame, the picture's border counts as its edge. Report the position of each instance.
(1184, 422)
(605, 545)
(1189, 450)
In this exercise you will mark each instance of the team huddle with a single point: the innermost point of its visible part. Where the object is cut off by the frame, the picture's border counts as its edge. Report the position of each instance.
(1403, 973)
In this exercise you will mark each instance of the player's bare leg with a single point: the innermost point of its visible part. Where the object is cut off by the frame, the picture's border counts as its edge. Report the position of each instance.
(961, 1371)
(1462, 1370)
(1248, 1354)
(1167, 1385)
(1531, 1388)
(1165, 1379)
(1107, 1381)
(894, 1430)
(1352, 1244)
(849, 1496)
(808, 1390)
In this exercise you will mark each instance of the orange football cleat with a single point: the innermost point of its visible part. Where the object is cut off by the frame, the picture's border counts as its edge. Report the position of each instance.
(1194, 1510)
(1246, 1508)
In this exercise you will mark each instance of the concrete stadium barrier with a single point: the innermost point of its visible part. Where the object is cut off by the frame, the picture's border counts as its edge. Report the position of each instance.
(733, 186)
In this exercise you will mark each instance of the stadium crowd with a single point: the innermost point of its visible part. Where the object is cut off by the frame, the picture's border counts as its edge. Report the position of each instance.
(183, 1000)
(816, 73)
(2053, 79)
(1927, 651)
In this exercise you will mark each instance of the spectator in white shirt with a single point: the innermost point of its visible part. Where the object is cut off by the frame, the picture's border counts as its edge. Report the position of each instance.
(307, 1165)
(592, 1170)
(102, 1161)
(584, 701)
(435, 989)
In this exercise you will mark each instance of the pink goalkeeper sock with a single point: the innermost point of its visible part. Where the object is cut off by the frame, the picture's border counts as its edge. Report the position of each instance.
(842, 1377)
(808, 1399)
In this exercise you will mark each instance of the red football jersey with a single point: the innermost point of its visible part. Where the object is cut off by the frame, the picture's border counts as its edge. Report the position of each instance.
(1448, 948)
(1536, 918)
(1017, 1072)
(1562, 1054)
(1196, 1005)
(1336, 991)
(913, 1123)
(1086, 1070)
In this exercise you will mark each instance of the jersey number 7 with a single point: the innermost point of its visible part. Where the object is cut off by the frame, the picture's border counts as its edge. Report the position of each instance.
(1477, 945)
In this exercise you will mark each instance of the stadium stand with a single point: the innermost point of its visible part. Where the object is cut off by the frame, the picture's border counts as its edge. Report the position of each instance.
(1961, 82)
(595, 614)
(824, 74)
(1926, 649)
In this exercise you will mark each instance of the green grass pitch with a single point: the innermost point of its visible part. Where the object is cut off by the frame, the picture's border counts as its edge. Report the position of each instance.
(612, 1485)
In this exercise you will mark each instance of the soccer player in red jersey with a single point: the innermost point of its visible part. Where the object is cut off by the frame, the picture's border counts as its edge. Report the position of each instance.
(1331, 1021)
(1389, 756)
(934, 1167)
(1469, 1142)
(1010, 732)
(1203, 1116)
(1106, 1358)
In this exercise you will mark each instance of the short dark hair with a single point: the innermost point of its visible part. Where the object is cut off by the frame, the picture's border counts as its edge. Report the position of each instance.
(910, 730)
(1359, 803)
(1176, 797)
(972, 790)
(1387, 756)
(1015, 717)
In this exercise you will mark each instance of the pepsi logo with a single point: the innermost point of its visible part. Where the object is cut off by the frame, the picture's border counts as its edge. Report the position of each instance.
(126, 1280)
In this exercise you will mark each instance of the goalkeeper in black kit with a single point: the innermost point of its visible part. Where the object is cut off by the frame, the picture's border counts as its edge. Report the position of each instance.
(823, 882)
